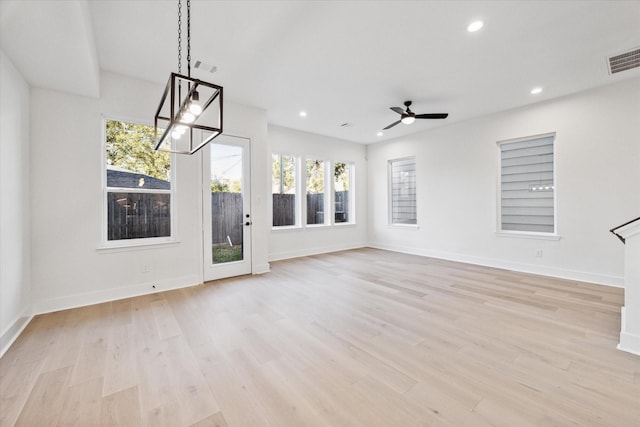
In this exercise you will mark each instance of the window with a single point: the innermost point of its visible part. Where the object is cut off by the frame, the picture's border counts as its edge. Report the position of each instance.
(403, 191)
(315, 192)
(138, 184)
(527, 188)
(283, 188)
(326, 200)
(342, 192)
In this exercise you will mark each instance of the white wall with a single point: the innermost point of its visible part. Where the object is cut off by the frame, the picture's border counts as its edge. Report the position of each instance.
(70, 269)
(598, 180)
(15, 262)
(289, 243)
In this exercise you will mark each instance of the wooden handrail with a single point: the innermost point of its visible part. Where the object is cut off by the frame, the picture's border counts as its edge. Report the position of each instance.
(613, 230)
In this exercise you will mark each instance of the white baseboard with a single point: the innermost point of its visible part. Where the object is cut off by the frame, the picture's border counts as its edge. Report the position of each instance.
(261, 268)
(314, 251)
(13, 332)
(560, 273)
(113, 294)
(629, 343)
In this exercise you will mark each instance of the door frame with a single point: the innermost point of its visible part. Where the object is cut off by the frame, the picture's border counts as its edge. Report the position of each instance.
(212, 271)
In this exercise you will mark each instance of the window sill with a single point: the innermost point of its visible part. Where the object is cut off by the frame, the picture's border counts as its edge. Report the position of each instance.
(125, 246)
(312, 227)
(286, 228)
(344, 224)
(527, 235)
(405, 226)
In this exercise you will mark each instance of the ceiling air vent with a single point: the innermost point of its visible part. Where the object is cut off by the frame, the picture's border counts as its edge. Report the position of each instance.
(624, 61)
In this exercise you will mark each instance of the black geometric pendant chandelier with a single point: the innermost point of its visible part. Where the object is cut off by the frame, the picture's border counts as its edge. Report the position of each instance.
(190, 112)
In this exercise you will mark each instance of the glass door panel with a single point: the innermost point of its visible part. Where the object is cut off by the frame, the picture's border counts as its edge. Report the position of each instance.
(226, 208)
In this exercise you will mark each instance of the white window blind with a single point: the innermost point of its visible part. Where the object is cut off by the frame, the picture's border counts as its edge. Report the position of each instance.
(403, 191)
(527, 185)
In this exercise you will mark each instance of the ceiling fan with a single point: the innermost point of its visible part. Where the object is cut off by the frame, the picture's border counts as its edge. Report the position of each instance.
(407, 116)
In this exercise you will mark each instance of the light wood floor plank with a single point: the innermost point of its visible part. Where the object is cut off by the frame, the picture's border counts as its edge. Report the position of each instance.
(82, 405)
(45, 403)
(121, 409)
(354, 338)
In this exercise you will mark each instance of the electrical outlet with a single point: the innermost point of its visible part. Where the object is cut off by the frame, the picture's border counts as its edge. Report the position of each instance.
(539, 253)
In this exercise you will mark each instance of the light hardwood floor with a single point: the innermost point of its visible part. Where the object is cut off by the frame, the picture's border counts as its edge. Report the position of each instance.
(360, 338)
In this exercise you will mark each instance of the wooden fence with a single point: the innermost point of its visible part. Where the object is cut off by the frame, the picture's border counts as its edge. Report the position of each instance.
(138, 215)
(143, 215)
(284, 208)
(226, 218)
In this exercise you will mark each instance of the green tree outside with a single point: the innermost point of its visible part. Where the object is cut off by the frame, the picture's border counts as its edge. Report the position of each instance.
(341, 177)
(223, 185)
(283, 170)
(315, 176)
(131, 147)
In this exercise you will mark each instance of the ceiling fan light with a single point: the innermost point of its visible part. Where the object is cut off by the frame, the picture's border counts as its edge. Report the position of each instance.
(475, 26)
(407, 120)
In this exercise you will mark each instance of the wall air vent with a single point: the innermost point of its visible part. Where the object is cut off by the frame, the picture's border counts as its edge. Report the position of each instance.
(624, 61)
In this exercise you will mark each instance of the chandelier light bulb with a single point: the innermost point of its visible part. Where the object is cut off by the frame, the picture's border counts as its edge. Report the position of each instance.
(194, 105)
(195, 108)
(187, 117)
(175, 134)
(181, 129)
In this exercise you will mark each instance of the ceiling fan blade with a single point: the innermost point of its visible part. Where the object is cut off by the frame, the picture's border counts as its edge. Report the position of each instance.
(432, 116)
(392, 125)
(398, 110)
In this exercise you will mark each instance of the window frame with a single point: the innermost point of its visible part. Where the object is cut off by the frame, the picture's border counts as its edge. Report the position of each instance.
(147, 241)
(542, 235)
(351, 192)
(329, 193)
(297, 186)
(328, 189)
(390, 199)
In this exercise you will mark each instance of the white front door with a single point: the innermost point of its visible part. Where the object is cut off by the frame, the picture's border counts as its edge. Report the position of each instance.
(227, 209)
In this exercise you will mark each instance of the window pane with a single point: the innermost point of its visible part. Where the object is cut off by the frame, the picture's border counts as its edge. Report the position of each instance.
(315, 191)
(131, 160)
(527, 188)
(341, 185)
(227, 222)
(283, 188)
(132, 163)
(403, 191)
(138, 215)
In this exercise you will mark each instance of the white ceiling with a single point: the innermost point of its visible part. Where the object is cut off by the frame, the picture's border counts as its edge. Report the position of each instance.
(341, 61)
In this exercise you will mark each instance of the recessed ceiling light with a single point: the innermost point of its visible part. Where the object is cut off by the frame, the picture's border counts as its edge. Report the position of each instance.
(303, 114)
(475, 26)
(536, 90)
(379, 133)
